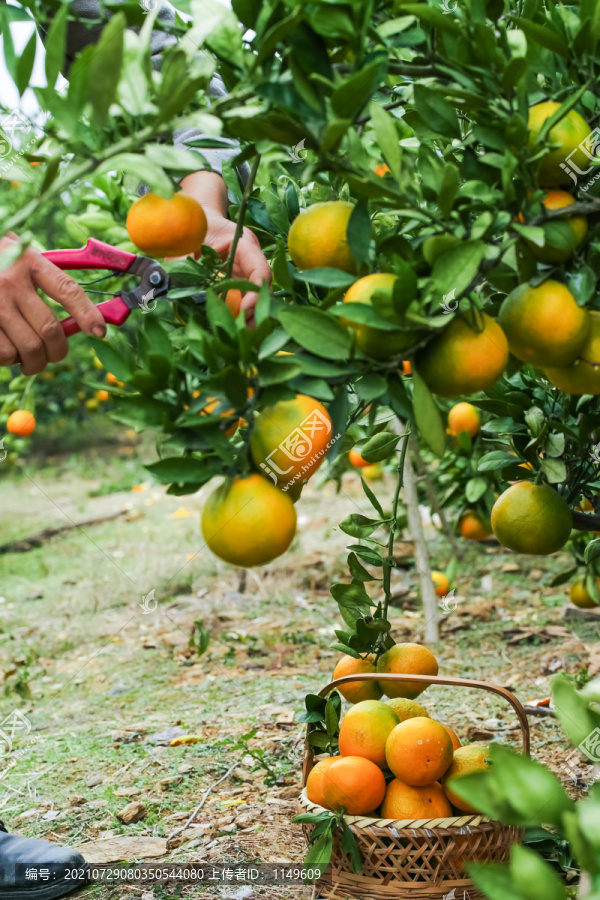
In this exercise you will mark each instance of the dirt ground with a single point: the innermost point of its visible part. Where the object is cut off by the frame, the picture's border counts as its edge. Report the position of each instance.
(99, 654)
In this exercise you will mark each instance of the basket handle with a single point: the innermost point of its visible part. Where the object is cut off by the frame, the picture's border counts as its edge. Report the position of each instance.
(436, 679)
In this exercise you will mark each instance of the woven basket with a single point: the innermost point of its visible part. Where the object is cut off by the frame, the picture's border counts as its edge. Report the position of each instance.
(420, 859)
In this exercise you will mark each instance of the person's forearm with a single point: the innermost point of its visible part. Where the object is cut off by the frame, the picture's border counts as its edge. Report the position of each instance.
(209, 189)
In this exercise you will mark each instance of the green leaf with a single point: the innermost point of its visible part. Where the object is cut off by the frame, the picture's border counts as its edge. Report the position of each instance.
(350, 847)
(317, 331)
(455, 269)
(496, 459)
(449, 188)
(380, 447)
(359, 232)
(494, 881)
(387, 137)
(352, 595)
(105, 68)
(326, 277)
(475, 488)
(24, 65)
(116, 357)
(555, 470)
(428, 418)
(351, 95)
(141, 168)
(55, 46)
(436, 111)
(357, 525)
(357, 570)
(527, 868)
(573, 710)
(545, 35)
(371, 497)
(332, 722)
(319, 853)
(181, 469)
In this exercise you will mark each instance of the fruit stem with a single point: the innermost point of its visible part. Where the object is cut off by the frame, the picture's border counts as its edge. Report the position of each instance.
(241, 215)
(389, 561)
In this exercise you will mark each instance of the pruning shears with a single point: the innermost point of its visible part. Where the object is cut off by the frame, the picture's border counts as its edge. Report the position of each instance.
(154, 281)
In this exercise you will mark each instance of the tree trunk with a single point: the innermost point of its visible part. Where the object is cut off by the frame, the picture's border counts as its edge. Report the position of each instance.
(434, 500)
(430, 606)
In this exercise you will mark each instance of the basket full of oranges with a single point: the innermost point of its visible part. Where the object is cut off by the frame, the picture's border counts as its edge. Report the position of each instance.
(394, 783)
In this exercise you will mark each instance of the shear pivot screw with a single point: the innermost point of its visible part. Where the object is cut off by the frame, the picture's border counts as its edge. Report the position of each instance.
(154, 278)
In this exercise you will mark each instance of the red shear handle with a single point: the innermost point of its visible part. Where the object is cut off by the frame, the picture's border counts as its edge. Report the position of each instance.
(114, 311)
(95, 255)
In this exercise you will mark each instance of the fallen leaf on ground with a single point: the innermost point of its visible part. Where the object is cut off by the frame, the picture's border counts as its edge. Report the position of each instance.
(120, 849)
(186, 739)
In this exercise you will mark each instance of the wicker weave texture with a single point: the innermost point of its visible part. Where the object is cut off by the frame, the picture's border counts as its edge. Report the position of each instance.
(419, 860)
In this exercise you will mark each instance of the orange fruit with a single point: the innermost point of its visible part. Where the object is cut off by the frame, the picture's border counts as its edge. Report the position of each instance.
(455, 741)
(413, 659)
(406, 367)
(472, 528)
(564, 139)
(113, 380)
(419, 751)
(404, 801)
(248, 521)
(355, 784)
(356, 691)
(161, 227)
(470, 758)
(21, 423)
(212, 405)
(580, 596)
(102, 396)
(373, 472)
(543, 325)
(406, 709)
(582, 376)
(356, 460)
(91, 405)
(315, 782)
(469, 355)
(441, 583)
(531, 518)
(233, 300)
(381, 169)
(567, 233)
(289, 440)
(365, 729)
(317, 237)
(464, 417)
(377, 290)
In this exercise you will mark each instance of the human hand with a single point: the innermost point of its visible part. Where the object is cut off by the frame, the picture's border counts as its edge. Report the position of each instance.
(30, 333)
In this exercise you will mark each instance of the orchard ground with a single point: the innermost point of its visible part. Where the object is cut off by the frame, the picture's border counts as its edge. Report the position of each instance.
(101, 679)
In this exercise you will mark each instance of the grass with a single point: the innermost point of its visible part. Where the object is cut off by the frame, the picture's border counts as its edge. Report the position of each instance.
(97, 676)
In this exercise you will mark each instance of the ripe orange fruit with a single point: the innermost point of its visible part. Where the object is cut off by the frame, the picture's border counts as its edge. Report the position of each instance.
(464, 417)
(419, 751)
(468, 356)
(582, 376)
(580, 596)
(543, 325)
(161, 227)
(113, 380)
(357, 691)
(406, 367)
(568, 234)
(404, 801)
(381, 169)
(21, 423)
(413, 659)
(455, 741)
(355, 784)
(315, 782)
(102, 396)
(289, 439)
(406, 709)
(564, 138)
(471, 758)
(356, 460)
(233, 300)
(441, 583)
(472, 528)
(317, 237)
(376, 290)
(248, 521)
(364, 730)
(531, 518)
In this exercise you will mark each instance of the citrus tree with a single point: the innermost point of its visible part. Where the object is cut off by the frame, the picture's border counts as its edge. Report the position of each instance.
(422, 181)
